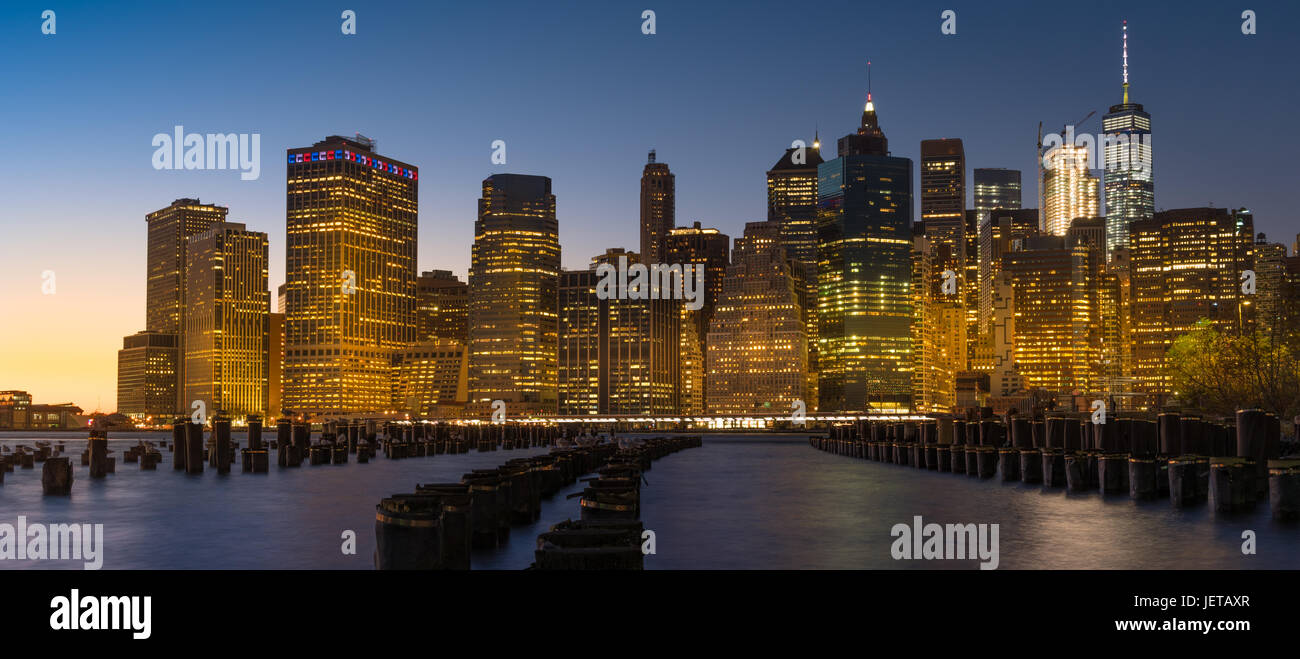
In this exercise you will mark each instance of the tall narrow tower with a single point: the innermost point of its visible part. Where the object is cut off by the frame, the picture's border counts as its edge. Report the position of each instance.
(658, 214)
(1130, 190)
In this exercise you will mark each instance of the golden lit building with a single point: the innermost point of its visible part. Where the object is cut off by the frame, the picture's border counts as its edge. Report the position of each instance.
(275, 365)
(430, 378)
(165, 265)
(792, 203)
(226, 321)
(710, 249)
(757, 342)
(1070, 190)
(940, 328)
(442, 307)
(864, 258)
(658, 209)
(579, 344)
(350, 291)
(1057, 323)
(617, 356)
(1185, 266)
(513, 292)
(146, 376)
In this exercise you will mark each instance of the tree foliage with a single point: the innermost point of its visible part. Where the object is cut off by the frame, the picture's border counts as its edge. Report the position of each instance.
(1220, 371)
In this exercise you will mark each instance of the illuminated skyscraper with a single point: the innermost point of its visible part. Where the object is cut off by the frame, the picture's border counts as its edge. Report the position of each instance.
(616, 355)
(756, 356)
(430, 378)
(710, 249)
(350, 275)
(999, 232)
(1185, 266)
(658, 209)
(442, 307)
(578, 370)
(792, 200)
(513, 292)
(1056, 316)
(864, 240)
(146, 376)
(939, 327)
(997, 188)
(165, 263)
(1069, 188)
(1130, 190)
(943, 180)
(226, 321)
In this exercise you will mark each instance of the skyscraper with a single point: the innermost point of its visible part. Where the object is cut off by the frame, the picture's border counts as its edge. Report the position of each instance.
(616, 355)
(226, 321)
(756, 356)
(430, 378)
(578, 360)
(1130, 189)
(442, 307)
(709, 249)
(939, 328)
(350, 275)
(997, 188)
(1057, 324)
(146, 376)
(1069, 188)
(513, 292)
(864, 245)
(1185, 266)
(943, 179)
(169, 228)
(792, 200)
(658, 209)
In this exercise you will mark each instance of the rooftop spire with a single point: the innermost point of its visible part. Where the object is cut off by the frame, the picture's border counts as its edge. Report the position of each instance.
(1126, 62)
(869, 107)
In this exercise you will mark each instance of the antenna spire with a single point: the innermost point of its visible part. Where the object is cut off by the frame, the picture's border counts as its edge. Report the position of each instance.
(1126, 62)
(868, 81)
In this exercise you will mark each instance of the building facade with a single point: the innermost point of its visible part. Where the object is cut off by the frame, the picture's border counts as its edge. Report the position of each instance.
(513, 292)
(864, 246)
(757, 341)
(350, 289)
(226, 321)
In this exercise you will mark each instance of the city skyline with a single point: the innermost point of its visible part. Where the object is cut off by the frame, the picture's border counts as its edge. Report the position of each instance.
(62, 362)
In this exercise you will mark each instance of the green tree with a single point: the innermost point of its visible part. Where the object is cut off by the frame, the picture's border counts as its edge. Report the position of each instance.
(1220, 372)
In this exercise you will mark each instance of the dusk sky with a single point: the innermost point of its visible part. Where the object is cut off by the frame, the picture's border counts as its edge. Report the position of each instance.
(578, 94)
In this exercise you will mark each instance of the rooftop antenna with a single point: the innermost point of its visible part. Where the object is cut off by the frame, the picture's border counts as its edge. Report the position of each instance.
(1126, 62)
(652, 155)
(868, 81)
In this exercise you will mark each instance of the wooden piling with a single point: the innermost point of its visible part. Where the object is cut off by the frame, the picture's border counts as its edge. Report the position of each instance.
(56, 477)
(193, 448)
(1284, 489)
(1142, 474)
(1031, 465)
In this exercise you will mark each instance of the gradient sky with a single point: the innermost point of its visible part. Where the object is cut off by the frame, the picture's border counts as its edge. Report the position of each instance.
(580, 95)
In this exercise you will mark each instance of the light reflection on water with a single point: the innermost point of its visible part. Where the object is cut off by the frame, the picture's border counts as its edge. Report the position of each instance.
(738, 502)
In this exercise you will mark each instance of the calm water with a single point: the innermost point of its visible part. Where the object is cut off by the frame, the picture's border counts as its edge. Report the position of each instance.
(739, 502)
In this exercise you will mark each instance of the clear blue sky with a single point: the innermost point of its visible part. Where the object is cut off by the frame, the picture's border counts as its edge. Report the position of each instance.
(579, 94)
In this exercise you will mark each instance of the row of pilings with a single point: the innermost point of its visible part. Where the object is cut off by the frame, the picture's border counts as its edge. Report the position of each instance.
(193, 450)
(608, 535)
(438, 525)
(1188, 459)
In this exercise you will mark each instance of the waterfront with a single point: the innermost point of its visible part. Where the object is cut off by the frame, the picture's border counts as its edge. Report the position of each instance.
(737, 502)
